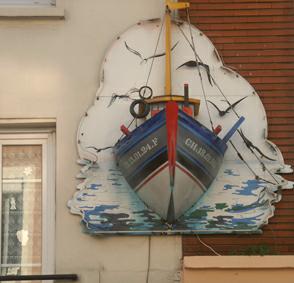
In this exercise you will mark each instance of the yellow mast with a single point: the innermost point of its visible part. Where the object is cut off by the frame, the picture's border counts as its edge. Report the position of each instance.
(170, 6)
(168, 95)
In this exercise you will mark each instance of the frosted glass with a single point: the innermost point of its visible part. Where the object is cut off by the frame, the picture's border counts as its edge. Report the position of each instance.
(21, 226)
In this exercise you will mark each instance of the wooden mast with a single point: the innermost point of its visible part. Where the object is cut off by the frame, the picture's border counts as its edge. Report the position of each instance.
(170, 6)
(168, 95)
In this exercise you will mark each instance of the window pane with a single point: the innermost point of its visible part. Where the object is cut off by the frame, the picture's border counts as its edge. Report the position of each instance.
(21, 228)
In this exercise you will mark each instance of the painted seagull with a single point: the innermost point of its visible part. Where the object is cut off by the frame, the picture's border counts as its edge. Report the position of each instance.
(232, 106)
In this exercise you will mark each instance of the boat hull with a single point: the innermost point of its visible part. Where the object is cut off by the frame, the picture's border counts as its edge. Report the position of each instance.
(170, 161)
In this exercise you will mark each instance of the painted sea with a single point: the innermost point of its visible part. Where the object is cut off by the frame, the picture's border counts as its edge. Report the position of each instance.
(109, 206)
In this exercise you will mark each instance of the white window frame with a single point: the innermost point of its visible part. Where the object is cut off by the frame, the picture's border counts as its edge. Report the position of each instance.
(15, 11)
(47, 140)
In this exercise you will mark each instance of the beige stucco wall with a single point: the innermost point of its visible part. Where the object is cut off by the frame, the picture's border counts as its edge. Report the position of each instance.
(50, 69)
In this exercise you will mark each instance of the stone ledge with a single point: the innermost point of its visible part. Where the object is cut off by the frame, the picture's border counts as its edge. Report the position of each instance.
(31, 12)
(238, 262)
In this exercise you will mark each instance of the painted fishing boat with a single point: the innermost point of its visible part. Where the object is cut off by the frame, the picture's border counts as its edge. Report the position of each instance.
(171, 159)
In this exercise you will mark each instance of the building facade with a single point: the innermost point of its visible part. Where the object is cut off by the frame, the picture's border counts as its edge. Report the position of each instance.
(50, 60)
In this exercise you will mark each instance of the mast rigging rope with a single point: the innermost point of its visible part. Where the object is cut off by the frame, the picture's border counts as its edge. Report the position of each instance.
(198, 68)
(244, 138)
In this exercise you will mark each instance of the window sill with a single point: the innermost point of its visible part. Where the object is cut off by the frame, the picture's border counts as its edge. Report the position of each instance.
(270, 269)
(238, 262)
(31, 12)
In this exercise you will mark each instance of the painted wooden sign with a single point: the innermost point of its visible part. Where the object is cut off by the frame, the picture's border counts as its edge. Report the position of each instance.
(176, 142)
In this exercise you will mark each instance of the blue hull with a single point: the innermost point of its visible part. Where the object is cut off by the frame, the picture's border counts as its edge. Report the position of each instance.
(143, 158)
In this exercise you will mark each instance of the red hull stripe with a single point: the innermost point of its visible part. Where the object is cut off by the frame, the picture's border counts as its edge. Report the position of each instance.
(191, 176)
(160, 169)
(172, 129)
(151, 176)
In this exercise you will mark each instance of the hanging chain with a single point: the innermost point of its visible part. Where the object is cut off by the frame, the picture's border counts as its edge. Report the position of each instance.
(198, 68)
(248, 166)
(243, 136)
(198, 59)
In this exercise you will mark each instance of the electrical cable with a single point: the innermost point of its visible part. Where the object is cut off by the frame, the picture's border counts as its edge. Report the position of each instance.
(206, 245)
(149, 259)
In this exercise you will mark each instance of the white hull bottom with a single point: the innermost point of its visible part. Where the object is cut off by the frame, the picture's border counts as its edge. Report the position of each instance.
(170, 202)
